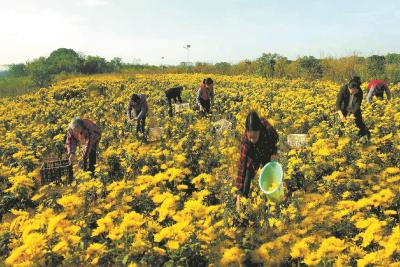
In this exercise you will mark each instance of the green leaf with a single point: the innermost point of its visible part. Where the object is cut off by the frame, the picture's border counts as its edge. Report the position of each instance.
(125, 260)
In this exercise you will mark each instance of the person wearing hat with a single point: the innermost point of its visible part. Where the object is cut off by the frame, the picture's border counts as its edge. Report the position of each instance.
(87, 134)
(173, 94)
(377, 88)
(349, 101)
(138, 103)
(205, 96)
(259, 146)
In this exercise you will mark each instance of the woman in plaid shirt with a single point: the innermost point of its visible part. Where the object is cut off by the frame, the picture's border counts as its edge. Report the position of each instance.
(205, 96)
(86, 133)
(259, 146)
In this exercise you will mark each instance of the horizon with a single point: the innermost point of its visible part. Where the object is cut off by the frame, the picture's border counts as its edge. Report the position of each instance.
(156, 32)
(4, 67)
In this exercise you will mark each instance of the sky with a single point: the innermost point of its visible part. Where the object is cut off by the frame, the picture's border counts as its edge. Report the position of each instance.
(156, 31)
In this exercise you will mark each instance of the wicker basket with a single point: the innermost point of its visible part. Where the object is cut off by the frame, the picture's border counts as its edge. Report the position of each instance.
(297, 140)
(53, 170)
(181, 107)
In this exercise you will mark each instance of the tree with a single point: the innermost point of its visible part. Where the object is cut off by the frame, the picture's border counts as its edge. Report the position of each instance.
(309, 67)
(199, 67)
(115, 64)
(393, 73)
(280, 68)
(40, 72)
(17, 70)
(392, 58)
(243, 67)
(340, 70)
(94, 64)
(64, 60)
(265, 65)
(376, 66)
(222, 67)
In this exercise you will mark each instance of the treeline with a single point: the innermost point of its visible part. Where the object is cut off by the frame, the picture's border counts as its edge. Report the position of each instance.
(308, 67)
(65, 62)
(62, 61)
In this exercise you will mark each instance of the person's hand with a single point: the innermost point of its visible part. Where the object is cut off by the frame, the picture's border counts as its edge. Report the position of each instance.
(238, 203)
(342, 117)
(274, 158)
(201, 109)
(71, 158)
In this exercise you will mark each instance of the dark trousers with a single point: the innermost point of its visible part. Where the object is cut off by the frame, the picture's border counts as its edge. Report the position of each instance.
(140, 124)
(251, 171)
(379, 95)
(169, 100)
(246, 185)
(359, 123)
(206, 104)
(88, 164)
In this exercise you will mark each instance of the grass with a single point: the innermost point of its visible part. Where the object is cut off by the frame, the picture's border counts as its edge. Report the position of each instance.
(13, 86)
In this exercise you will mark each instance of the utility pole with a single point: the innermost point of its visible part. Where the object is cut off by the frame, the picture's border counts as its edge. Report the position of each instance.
(162, 63)
(187, 47)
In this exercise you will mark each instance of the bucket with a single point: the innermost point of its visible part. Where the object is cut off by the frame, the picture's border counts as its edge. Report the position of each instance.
(271, 181)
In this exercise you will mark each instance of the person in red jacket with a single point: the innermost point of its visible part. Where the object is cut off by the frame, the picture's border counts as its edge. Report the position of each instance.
(259, 146)
(377, 88)
(86, 133)
(205, 96)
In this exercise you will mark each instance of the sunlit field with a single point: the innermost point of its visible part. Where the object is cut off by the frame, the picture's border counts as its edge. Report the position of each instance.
(171, 202)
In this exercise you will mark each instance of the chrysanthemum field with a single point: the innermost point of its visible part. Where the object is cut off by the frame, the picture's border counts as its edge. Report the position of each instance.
(172, 202)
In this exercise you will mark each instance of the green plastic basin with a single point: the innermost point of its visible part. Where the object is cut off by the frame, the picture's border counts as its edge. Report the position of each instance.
(272, 173)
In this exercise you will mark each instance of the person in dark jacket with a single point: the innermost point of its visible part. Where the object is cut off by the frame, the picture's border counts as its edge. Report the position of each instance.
(349, 101)
(138, 103)
(205, 96)
(357, 79)
(86, 133)
(259, 146)
(173, 94)
(377, 88)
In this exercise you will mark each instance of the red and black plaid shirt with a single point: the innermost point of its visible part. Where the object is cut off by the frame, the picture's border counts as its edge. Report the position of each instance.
(91, 141)
(253, 155)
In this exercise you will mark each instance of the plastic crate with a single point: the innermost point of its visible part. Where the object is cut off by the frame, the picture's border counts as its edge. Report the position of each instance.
(155, 134)
(181, 107)
(53, 170)
(222, 125)
(297, 140)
